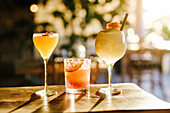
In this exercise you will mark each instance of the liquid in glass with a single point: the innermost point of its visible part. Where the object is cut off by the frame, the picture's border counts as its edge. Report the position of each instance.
(77, 75)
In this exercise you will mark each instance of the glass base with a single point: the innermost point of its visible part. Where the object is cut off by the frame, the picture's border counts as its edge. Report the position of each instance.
(110, 90)
(46, 92)
(76, 91)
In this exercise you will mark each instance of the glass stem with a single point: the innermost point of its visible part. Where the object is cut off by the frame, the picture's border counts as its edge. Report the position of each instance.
(45, 79)
(110, 67)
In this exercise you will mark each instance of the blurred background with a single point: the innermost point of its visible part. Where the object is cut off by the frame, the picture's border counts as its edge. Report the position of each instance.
(147, 31)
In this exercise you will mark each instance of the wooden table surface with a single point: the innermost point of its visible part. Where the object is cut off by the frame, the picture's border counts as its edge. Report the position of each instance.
(132, 100)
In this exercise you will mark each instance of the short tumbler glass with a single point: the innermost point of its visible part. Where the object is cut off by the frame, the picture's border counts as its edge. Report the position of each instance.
(77, 75)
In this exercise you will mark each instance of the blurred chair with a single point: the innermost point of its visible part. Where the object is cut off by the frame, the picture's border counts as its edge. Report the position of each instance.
(97, 67)
(145, 60)
(94, 70)
(58, 73)
(28, 67)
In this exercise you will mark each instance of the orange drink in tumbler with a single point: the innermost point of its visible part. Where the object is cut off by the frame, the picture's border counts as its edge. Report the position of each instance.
(77, 75)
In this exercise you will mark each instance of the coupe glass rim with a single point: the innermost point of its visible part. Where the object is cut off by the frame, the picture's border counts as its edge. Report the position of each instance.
(40, 34)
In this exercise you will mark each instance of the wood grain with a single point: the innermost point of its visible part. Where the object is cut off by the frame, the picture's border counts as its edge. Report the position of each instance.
(132, 99)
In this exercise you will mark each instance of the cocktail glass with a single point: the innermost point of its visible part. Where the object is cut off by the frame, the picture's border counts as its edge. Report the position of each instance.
(110, 46)
(77, 75)
(45, 44)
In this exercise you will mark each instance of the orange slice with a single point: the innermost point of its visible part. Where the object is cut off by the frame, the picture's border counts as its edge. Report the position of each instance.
(113, 25)
(74, 66)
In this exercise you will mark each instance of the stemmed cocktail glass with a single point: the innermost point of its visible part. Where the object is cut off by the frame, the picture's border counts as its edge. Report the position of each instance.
(110, 46)
(45, 44)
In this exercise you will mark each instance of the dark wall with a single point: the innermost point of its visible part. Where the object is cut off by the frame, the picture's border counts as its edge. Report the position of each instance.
(16, 29)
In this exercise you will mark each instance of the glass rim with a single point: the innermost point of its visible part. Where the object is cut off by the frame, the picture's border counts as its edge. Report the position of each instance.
(40, 34)
(76, 59)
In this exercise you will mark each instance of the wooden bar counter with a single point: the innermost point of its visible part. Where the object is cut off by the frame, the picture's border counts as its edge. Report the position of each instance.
(131, 100)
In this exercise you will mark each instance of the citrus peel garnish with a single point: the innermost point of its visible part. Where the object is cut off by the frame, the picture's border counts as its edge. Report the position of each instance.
(113, 25)
(74, 66)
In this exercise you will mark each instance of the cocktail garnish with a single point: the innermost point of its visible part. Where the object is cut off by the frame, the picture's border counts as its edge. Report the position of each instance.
(116, 24)
(74, 66)
(113, 25)
(124, 20)
(51, 33)
(48, 34)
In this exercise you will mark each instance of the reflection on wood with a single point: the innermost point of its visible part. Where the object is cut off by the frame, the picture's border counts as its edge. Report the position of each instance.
(132, 99)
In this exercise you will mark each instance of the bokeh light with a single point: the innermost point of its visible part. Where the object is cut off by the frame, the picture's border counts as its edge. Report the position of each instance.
(33, 8)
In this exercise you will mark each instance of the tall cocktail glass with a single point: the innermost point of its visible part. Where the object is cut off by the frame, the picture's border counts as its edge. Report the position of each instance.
(110, 46)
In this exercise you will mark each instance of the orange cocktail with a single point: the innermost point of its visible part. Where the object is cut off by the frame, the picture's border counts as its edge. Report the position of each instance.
(45, 44)
(77, 75)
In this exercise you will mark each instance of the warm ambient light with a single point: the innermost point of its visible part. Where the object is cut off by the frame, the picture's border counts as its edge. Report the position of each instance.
(34, 8)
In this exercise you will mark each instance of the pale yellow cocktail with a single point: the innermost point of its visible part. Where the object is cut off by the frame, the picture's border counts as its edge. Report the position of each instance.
(110, 46)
